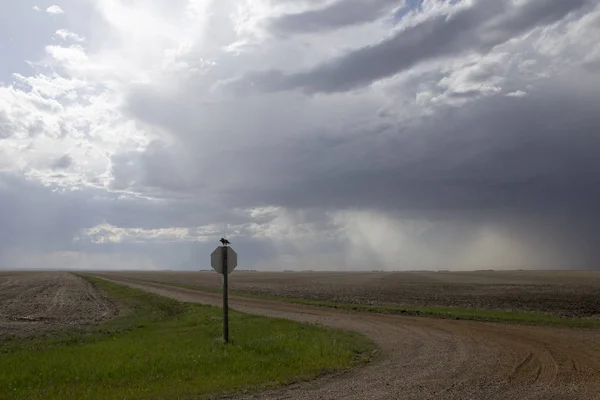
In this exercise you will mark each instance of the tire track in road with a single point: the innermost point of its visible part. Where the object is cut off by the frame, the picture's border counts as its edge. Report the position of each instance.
(423, 358)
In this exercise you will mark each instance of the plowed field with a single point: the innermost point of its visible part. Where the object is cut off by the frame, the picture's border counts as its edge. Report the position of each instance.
(36, 302)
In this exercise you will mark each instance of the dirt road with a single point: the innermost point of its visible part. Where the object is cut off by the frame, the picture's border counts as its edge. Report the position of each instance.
(425, 358)
(37, 302)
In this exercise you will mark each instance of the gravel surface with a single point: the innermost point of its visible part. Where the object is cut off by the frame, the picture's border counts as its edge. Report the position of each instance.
(424, 358)
(36, 302)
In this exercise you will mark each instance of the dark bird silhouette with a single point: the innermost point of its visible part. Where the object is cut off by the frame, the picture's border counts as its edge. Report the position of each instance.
(224, 241)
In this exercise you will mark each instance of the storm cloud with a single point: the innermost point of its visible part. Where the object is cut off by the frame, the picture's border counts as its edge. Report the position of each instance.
(472, 28)
(318, 135)
(336, 15)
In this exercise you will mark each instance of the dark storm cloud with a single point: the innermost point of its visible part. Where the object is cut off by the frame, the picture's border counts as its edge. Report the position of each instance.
(497, 155)
(532, 154)
(157, 167)
(528, 164)
(33, 216)
(336, 15)
(477, 28)
(497, 159)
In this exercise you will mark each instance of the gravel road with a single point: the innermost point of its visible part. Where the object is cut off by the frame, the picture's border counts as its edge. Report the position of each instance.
(424, 358)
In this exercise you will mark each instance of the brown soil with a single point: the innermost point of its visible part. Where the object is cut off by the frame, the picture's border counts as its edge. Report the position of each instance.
(425, 358)
(564, 293)
(36, 302)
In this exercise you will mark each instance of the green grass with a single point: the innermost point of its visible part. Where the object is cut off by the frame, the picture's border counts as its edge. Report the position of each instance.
(514, 317)
(164, 349)
(470, 314)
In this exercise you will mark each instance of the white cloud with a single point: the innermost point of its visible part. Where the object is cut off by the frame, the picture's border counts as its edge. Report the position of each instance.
(54, 10)
(517, 93)
(50, 115)
(65, 34)
(106, 233)
(36, 8)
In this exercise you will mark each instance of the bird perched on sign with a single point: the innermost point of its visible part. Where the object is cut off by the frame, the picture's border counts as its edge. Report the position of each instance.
(224, 241)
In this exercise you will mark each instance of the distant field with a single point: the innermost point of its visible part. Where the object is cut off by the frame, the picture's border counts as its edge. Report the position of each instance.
(561, 293)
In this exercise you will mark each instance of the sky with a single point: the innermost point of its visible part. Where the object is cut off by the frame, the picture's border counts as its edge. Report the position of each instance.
(314, 134)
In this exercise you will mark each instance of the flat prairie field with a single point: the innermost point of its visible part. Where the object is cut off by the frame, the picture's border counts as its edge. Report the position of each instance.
(549, 349)
(560, 293)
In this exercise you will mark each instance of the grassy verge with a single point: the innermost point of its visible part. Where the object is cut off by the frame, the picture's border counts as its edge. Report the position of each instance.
(513, 317)
(161, 348)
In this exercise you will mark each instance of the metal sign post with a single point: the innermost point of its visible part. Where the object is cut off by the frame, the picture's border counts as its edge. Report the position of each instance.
(224, 260)
(225, 297)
